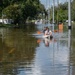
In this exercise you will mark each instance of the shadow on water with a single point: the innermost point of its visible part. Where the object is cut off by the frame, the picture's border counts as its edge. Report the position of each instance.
(22, 53)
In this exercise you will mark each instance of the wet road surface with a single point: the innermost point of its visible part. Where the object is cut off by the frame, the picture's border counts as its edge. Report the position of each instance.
(24, 52)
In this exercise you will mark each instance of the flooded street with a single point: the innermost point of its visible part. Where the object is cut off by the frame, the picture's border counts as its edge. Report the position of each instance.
(24, 52)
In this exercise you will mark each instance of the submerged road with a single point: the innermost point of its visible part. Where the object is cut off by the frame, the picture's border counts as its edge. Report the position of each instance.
(24, 52)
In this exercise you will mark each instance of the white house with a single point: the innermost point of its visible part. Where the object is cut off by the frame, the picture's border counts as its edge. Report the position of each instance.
(6, 21)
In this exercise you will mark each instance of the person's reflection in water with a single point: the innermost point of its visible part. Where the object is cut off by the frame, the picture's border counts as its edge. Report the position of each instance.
(47, 41)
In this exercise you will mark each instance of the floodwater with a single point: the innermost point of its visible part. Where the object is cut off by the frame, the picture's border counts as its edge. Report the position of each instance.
(25, 52)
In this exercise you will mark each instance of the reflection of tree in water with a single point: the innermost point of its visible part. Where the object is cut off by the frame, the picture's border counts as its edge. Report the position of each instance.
(72, 52)
(30, 28)
(16, 51)
(73, 46)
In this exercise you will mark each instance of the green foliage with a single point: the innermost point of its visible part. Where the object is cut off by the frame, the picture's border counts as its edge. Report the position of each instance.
(61, 12)
(30, 10)
(73, 10)
(13, 12)
(20, 10)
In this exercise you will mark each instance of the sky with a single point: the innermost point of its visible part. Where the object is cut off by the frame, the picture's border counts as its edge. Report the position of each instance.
(48, 3)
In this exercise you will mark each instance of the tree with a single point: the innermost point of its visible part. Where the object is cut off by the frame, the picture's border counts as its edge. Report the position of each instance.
(20, 10)
(15, 12)
(61, 12)
(73, 10)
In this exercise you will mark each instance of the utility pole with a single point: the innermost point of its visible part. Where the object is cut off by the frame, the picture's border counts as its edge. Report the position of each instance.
(69, 14)
(53, 13)
(48, 16)
(57, 12)
(49, 13)
(69, 30)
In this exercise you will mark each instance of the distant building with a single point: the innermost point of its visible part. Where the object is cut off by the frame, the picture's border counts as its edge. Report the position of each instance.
(6, 21)
(67, 21)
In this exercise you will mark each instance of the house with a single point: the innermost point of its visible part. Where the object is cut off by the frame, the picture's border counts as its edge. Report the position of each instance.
(6, 21)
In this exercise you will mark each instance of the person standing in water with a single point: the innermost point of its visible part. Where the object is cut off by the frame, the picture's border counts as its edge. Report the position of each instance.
(48, 33)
